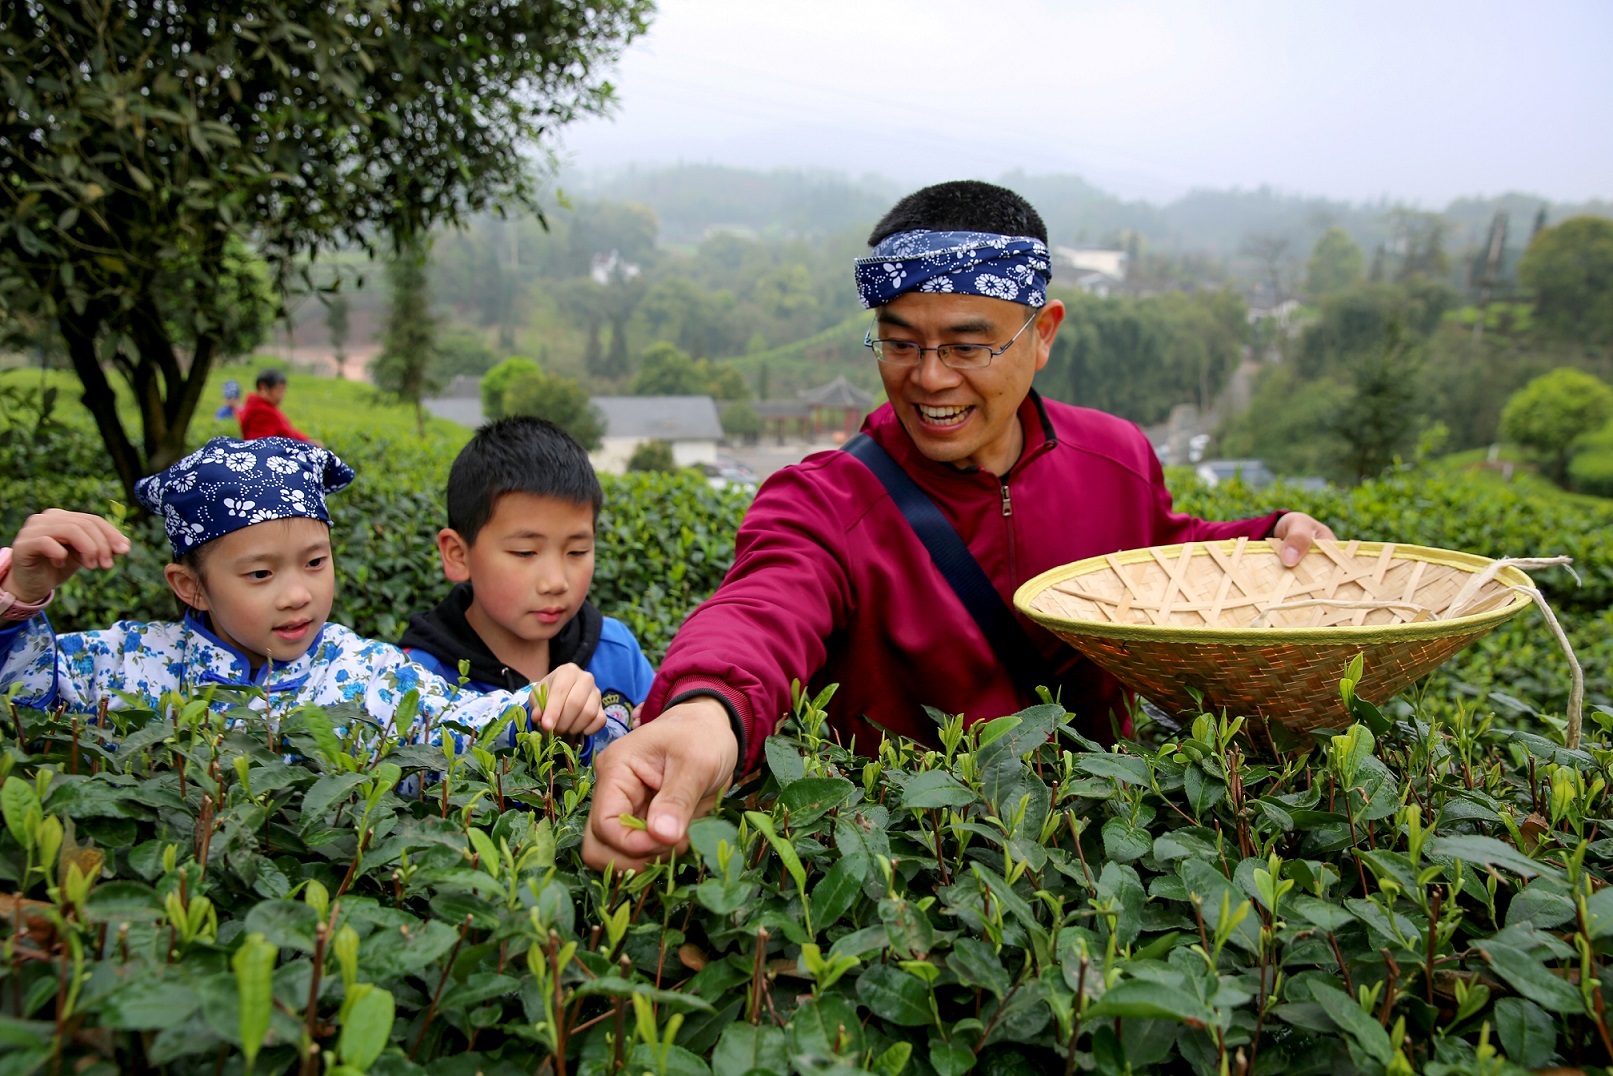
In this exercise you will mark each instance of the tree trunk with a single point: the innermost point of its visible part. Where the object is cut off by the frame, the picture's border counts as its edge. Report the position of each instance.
(167, 396)
(79, 333)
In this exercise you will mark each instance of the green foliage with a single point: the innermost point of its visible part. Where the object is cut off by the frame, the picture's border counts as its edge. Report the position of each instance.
(405, 368)
(461, 352)
(1591, 468)
(739, 419)
(143, 145)
(652, 456)
(337, 308)
(1555, 410)
(1364, 319)
(1138, 358)
(498, 379)
(1336, 262)
(1010, 897)
(1378, 421)
(664, 370)
(1289, 424)
(1569, 268)
(561, 401)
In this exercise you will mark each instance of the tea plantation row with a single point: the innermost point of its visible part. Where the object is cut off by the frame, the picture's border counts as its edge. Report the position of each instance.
(191, 896)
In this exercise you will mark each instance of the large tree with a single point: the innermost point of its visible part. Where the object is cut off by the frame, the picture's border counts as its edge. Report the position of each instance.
(404, 368)
(1555, 410)
(142, 143)
(1335, 263)
(1569, 267)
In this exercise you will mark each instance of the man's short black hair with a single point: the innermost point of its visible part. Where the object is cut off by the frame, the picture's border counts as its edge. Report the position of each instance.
(963, 205)
(518, 454)
(268, 379)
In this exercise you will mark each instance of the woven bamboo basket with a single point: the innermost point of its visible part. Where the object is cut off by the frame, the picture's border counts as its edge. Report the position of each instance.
(1265, 641)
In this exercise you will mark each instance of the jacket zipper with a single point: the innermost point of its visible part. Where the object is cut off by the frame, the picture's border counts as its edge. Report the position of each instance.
(1008, 527)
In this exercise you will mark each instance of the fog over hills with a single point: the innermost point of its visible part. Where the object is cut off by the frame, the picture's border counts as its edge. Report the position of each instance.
(691, 200)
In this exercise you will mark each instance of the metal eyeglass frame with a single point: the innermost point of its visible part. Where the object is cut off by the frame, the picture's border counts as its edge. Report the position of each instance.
(944, 351)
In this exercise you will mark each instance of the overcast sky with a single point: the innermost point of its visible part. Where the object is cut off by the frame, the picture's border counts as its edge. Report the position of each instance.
(1418, 100)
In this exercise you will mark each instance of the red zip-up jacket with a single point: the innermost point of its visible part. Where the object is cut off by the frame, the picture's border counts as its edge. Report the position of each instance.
(831, 586)
(261, 418)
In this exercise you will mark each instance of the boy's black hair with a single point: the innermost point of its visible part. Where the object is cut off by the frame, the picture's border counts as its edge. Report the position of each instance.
(963, 205)
(518, 454)
(271, 378)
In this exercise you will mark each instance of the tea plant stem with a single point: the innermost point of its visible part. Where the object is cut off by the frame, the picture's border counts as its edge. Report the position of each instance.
(205, 827)
(1601, 1019)
(1344, 969)
(998, 1015)
(1434, 902)
(940, 854)
(1389, 988)
(758, 977)
(442, 981)
(358, 856)
(310, 1016)
(1080, 854)
(619, 1009)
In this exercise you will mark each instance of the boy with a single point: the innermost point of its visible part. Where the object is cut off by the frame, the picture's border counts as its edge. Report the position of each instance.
(523, 501)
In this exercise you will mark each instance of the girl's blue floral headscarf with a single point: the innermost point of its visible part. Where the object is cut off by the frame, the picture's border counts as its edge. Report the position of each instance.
(228, 484)
(1012, 267)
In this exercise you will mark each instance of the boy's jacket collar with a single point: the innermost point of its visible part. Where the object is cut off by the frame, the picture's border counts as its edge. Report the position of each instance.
(445, 633)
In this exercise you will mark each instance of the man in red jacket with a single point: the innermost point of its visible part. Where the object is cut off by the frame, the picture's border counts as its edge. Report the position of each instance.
(260, 413)
(831, 585)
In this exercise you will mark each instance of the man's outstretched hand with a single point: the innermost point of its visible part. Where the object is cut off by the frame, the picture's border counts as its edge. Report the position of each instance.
(668, 772)
(1297, 531)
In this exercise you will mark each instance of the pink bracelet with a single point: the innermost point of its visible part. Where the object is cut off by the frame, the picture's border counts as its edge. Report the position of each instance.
(12, 607)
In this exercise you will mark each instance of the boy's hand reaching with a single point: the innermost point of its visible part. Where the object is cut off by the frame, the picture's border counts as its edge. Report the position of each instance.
(572, 706)
(54, 544)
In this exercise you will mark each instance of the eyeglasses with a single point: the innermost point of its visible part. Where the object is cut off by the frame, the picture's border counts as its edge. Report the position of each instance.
(957, 356)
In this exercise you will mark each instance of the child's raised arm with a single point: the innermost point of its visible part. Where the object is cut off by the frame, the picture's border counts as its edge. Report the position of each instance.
(53, 545)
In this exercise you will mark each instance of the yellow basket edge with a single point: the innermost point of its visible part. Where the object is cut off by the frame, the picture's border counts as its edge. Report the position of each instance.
(1356, 634)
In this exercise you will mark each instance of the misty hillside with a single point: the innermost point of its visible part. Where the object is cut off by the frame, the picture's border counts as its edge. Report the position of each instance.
(692, 201)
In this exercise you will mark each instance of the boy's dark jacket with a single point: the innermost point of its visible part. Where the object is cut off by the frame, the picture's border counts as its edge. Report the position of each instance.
(442, 638)
(445, 634)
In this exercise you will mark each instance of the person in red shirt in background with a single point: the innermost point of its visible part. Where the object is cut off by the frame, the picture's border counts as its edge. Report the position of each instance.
(260, 413)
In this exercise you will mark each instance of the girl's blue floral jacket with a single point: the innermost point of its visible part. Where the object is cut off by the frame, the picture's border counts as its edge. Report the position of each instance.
(132, 664)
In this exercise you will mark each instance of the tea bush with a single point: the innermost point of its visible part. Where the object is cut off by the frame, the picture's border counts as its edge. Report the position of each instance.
(665, 540)
(192, 897)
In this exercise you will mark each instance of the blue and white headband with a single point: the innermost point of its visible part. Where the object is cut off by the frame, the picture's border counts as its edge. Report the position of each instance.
(228, 484)
(1012, 267)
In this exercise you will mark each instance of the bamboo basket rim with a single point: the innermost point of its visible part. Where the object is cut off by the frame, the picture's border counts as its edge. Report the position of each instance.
(1508, 575)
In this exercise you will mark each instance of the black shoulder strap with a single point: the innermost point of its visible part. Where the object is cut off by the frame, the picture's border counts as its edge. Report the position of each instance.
(956, 564)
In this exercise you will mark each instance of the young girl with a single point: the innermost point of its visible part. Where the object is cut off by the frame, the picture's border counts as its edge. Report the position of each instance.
(250, 536)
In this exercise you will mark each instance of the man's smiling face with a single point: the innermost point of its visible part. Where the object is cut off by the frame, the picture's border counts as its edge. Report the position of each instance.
(966, 418)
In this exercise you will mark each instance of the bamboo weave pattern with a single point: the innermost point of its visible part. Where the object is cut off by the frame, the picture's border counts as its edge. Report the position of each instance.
(1269, 642)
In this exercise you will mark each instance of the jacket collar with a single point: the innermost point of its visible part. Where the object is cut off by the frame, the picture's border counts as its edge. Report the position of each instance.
(884, 427)
(211, 660)
(446, 634)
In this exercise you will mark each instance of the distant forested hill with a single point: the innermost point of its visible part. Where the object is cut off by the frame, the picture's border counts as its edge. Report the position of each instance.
(1240, 227)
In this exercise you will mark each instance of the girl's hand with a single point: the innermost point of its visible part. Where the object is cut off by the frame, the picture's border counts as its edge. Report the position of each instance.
(572, 706)
(53, 545)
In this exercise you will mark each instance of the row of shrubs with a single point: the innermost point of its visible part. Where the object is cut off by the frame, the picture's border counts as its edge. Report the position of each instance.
(665, 541)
